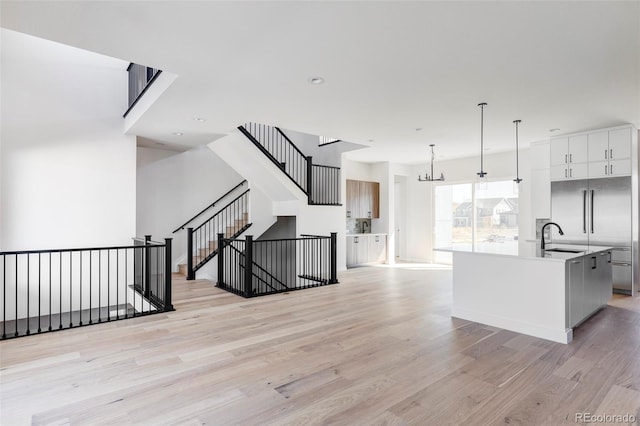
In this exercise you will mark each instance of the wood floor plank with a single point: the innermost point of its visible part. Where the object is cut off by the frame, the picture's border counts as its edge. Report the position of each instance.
(378, 348)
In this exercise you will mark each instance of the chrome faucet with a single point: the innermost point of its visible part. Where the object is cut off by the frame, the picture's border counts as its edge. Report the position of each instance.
(542, 244)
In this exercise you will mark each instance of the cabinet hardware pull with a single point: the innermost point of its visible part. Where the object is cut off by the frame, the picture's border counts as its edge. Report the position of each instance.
(570, 172)
(571, 158)
(565, 172)
(595, 262)
(611, 153)
(611, 169)
(609, 261)
(565, 159)
(605, 154)
(605, 170)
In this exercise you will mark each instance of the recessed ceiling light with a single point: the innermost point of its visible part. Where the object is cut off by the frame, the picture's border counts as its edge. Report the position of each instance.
(316, 80)
(555, 129)
(418, 129)
(370, 140)
(200, 119)
(178, 133)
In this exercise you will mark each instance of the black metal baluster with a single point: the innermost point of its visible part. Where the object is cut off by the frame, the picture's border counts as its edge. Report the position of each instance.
(99, 286)
(4, 296)
(70, 289)
(118, 284)
(50, 291)
(126, 285)
(16, 293)
(108, 285)
(39, 293)
(60, 295)
(28, 294)
(90, 286)
(80, 290)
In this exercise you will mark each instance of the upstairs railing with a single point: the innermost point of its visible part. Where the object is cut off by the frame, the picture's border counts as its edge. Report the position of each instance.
(276, 265)
(47, 290)
(325, 140)
(140, 79)
(320, 183)
(202, 245)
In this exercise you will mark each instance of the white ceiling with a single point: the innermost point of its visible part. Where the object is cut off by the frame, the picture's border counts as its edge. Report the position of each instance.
(390, 67)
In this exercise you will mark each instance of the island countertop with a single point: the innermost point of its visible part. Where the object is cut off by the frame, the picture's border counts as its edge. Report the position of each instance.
(528, 250)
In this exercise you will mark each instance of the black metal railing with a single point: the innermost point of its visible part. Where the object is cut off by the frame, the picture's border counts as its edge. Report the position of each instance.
(202, 245)
(47, 290)
(325, 140)
(210, 206)
(276, 265)
(280, 150)
(325, 185)
(320, 183)
(140, 79)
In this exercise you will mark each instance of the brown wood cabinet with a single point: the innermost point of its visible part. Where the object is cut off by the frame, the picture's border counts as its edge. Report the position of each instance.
(363, 199)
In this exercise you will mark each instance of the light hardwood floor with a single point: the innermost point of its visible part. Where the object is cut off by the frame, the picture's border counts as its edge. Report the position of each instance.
(378, 348)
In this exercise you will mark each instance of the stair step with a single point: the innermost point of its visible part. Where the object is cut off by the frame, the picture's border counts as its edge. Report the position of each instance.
(182, 268)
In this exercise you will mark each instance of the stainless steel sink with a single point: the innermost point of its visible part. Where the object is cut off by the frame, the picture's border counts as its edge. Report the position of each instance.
(563, 250)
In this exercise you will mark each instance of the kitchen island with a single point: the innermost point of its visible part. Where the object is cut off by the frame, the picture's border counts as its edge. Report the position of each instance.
(542, 294)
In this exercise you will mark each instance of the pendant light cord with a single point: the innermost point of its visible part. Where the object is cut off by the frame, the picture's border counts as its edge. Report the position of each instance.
(517, 179)
(482, 172)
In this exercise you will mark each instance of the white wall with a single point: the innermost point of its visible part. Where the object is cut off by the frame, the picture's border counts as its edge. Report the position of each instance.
(173, 189)
(67, 169)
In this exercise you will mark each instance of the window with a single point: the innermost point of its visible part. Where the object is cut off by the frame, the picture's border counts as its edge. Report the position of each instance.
(476, 217)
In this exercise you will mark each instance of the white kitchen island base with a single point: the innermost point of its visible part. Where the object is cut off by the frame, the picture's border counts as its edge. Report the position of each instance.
(539, 296)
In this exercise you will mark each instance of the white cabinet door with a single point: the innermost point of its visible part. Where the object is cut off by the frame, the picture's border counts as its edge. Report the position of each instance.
(578, 171)
(620, 144)
(352, 257)
(362, 250)
(578, 149)
(620, 167)
(560, 172)
(598, 146)
(598, 169)
(377, 245)
(559, 148)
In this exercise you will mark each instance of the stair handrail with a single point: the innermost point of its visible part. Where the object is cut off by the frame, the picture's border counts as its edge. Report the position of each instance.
(210, 206)
(290, 141)
(221, 210)
(270, 156)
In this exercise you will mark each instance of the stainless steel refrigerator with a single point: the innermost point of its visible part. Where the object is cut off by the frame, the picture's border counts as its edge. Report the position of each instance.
(597, 212)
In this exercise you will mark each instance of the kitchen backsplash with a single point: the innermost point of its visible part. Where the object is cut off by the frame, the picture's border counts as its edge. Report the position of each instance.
(358, 226)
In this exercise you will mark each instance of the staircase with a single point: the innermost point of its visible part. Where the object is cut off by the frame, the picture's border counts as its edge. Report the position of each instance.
(320, 183)
(229, 221)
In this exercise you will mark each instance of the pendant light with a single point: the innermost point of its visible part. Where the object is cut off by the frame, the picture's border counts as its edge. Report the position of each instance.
(517, 180)
(428, 178)
(482, 173)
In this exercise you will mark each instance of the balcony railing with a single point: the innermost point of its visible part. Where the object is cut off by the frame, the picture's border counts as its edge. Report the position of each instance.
(47, 290)
(140, 79)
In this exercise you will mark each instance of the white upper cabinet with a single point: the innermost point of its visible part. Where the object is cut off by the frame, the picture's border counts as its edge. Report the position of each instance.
(559, 151)
(620, 144)
(610, 153)
(598, 146)
(569, 157)
(578, 149)
(597, 154)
